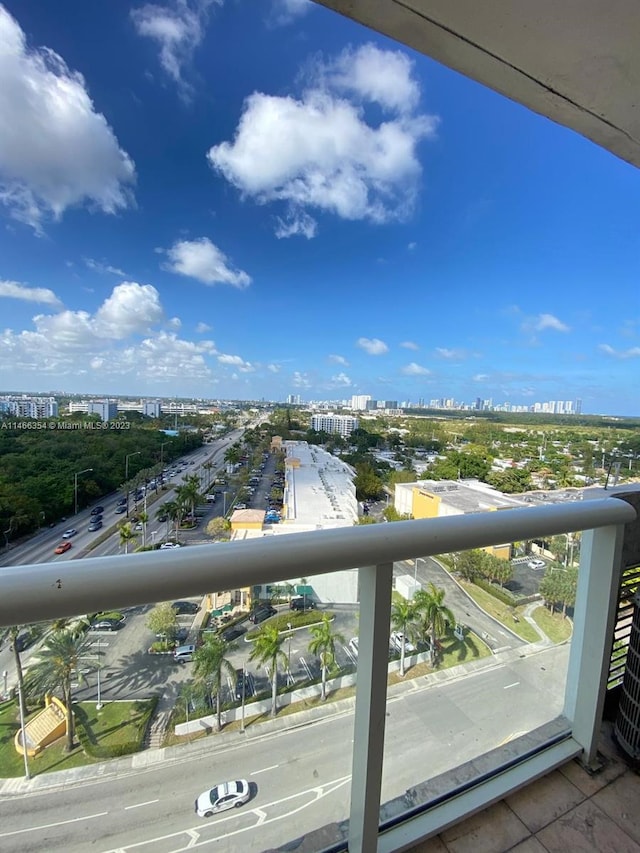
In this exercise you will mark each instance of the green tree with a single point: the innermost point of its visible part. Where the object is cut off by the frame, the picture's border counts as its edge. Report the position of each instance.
(14, 630)
(267, 649)
(403, 613)
(162, 620)
(323, 645)
(219, 528)
(59, 662)
(210, 663)
(437, 614)
(367, 482)
(127, 535)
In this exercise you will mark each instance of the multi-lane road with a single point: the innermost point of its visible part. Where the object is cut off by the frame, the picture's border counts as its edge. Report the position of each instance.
(299, 776)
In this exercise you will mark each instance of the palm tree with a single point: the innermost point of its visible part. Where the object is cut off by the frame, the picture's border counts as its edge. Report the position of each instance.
(144, 517)
(174, 511)
(430, 602)
(323, 645)
(402, 615)
(126, 535)
(190, 492)
(14, 630)
(210, 662)
(267, 649)
(59, 660)
(208, 466)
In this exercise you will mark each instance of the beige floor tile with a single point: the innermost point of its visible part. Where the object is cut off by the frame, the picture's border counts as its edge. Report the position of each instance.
(493, 830)
(543, 801)
(590, 783)
(530, 845)
(586, 829)
(432, 845)
(621, 801)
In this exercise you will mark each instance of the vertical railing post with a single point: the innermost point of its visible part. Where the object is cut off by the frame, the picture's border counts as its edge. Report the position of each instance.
(594, 620)
(371, 706)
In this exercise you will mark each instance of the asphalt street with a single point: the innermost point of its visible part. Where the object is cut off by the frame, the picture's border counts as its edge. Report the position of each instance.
(299, 775)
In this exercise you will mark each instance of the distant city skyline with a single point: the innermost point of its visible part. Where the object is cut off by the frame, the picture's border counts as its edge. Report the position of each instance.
(161, 234)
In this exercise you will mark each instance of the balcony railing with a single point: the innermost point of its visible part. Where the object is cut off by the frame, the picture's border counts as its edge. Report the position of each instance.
(46, 591)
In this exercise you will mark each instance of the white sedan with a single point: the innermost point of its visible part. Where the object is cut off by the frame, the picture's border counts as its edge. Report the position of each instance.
(398, 639)
(167, 546)
(536, 564)
(228, 795)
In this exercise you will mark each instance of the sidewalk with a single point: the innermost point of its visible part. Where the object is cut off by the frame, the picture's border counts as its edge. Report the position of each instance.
(140, 761)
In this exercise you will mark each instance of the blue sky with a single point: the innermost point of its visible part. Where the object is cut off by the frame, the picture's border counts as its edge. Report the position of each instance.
(218, 198)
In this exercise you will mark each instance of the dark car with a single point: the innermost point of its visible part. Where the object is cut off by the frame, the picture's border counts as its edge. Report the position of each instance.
(231, 634)
(243, 685)
(301, 603)
(95, 525)
(120, 508)
(122, 502)
(262, 613)
(184, 607)
(97, 510)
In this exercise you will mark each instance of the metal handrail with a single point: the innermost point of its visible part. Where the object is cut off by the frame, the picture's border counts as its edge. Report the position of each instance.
(68, 588)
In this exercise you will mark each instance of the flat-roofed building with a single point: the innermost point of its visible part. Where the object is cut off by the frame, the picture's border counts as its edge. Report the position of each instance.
(342, 425)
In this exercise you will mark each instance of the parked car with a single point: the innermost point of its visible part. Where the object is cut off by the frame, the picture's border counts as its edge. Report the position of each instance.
(232, 633)
(167, 546)
(69, 533)
(353, 645)
(183, 607)
(184, 654)
(262, 613)
(302, 602)
(98, 510)
(62, 547)
(243, 685)
(228, 795)
(106, 625)
(397, 641)
(536, 564)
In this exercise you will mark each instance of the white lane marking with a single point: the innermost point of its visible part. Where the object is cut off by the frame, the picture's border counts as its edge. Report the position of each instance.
(264, 770)
(138, 805)
(51, 825)
(507, 686)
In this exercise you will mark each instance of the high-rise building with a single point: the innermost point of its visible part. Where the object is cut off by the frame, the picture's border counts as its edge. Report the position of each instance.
(293, 399)
(151, 408)
(359, 402)
(107, 409)
(343, 425)
(30, 407)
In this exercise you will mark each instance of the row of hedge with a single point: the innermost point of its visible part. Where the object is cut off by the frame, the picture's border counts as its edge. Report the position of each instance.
(504, 595)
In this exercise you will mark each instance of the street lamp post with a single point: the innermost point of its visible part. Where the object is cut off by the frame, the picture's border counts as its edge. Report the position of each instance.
(244, 679)
(75, 486)
(126, 474)
(289, 626)
(224, 504)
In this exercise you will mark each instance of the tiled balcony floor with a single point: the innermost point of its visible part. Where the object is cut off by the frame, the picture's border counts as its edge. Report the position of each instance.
(569, 811)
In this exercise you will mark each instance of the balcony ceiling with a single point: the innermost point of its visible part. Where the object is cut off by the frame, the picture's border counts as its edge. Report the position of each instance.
(576, 62)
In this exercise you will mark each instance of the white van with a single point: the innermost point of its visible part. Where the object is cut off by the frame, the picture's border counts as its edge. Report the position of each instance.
(183, 654)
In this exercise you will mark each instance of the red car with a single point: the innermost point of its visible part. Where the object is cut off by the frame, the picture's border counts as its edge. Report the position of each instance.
(62, 547)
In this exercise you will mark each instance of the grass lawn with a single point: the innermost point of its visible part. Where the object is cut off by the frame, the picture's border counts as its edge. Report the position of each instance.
(554, 626)
(117, 722)
(502, 612)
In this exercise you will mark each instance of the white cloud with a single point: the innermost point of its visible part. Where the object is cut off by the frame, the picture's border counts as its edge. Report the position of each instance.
(236, 361)
(56, 151)
(201, 328)
(411, 246)
(318, 151)
(632, 352)
(414, 369)
(178, 29)
(383, 77)
(341, 380)
(450, 354)
(101, 267)
(285, 11)
(548, 321)
(339, 359)
(481, 377)
(300, 380)
(273, 368)
(175, 323)
(372, 346)
(15, 290)
(295, 223)
(202, 260)
(409, 345)
(131, 308)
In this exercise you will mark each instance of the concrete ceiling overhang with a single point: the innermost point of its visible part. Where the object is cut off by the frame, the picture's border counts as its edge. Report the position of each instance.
(576, 62)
